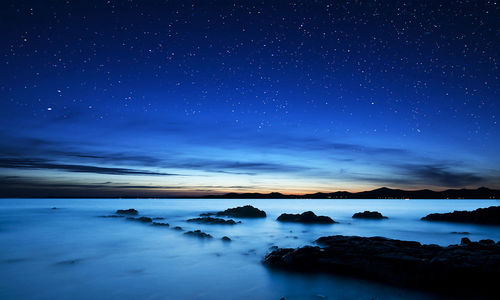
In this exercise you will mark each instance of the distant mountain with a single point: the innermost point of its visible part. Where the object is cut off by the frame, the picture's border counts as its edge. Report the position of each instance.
(380, 193)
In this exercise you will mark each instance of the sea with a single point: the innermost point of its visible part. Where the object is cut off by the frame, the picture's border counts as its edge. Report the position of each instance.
(72, 253)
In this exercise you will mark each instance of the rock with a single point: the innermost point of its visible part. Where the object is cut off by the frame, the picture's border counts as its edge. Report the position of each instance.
(54, 207)
(460, 232)
(178, 228)
(375, 215)
(465, 241)
(199, 233)
(158, 218)
(226, 239)
(246, 211)
(490, 215)
(112, 216)
(141, 219)
(210, 220)
(471, 269)
(130, 212)
(70, 261)
(161, 224)
(306, 217)
(487, 242)
(207, 214)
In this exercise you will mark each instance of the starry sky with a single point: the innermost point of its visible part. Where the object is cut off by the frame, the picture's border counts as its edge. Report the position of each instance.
(158, 98)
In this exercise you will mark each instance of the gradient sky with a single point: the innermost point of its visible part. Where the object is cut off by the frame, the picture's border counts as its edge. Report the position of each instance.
(160, 98)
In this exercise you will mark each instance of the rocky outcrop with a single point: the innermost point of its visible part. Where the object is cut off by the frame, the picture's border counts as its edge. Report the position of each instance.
(210, 220)
(373, 215)
(307, 217)
(199, 233)
(178, 228)
(226, 239)
(246, 211)
(141, 219)
(471, 268)
(490, 216)
(161, 224)
(207, 214)
(130, 212)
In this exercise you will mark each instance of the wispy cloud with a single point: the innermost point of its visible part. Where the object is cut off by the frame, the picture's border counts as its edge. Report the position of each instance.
(439, 175)
(442, 175)
(33, 163)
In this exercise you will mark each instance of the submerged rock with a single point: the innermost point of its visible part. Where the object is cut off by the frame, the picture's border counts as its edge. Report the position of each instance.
(158, 218)
(112, 216)
(369, 215)
(54, 207)
(199, 233)
(178, 228)
(130, 212)
(161, 224)
(306, 217)
(226, 239)
(141, 219)
(472, 267)
(246, 211)
(210, 220)
(70, 261)
(490, 215)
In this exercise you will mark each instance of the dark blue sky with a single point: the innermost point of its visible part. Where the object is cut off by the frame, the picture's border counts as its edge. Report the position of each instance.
(199, 97)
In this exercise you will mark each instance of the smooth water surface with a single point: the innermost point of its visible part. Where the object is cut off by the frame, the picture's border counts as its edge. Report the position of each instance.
(71, 252)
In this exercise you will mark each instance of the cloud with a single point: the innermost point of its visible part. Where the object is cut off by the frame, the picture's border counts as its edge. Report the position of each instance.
(33, 163)
(102, 157)
(442, 175)
(316, 144)
(19, 186)
(19, 181)
(380, 164)
(230, 166)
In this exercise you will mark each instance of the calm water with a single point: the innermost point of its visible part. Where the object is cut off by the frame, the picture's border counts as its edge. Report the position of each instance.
(71, 253)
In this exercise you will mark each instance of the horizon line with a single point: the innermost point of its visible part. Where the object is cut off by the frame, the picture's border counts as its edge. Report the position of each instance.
(377, 193)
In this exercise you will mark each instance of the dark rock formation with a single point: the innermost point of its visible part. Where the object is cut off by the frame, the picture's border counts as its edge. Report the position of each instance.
(306, 217)
(199, 233)
(130, 212)
(226, 239)
(490, 215)
(369, 215)
(470, 268)
(112, 216)
(178, 228)
(465, 241)
(141, 219)
(158, 218)
(54, 207)
(161, 224)
(207, 214)
(210, 220)
(246, 211)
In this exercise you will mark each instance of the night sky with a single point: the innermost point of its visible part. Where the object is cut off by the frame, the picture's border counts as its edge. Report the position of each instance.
(158, 98)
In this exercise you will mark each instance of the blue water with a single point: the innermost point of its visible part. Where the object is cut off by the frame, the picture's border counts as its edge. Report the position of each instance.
(71, 253)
